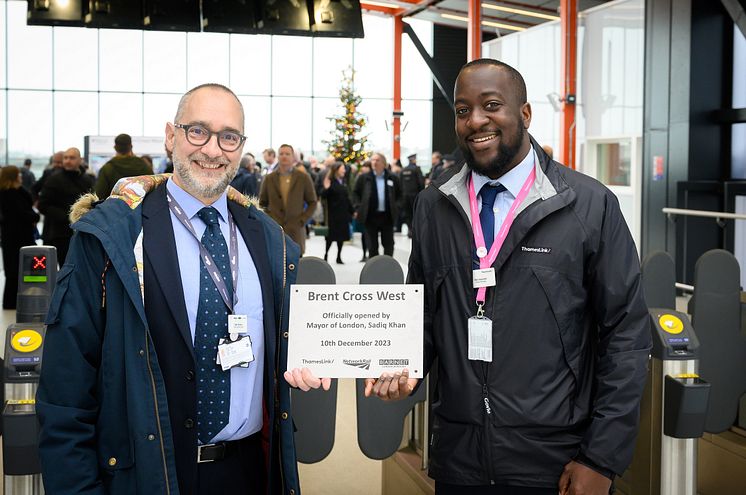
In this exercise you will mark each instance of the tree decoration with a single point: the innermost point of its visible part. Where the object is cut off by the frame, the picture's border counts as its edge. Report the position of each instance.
(346, 142)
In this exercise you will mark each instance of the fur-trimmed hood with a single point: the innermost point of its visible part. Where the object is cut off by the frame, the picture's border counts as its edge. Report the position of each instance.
(132, 190)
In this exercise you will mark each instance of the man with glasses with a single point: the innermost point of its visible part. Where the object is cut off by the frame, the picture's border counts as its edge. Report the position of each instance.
(168, 330)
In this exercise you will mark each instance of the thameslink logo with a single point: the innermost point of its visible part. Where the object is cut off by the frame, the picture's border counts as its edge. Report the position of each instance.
(363, 364)
(541, 250)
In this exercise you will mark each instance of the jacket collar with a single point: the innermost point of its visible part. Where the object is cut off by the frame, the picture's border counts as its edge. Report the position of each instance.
(546, 185)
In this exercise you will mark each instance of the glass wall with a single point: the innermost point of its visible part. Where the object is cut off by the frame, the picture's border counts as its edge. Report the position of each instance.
(60, 84)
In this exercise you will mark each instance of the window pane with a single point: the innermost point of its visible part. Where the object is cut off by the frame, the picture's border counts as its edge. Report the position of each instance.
(378, 113)
(29, 135)
(416, 137)
(291, 66)
(291, 122)
(75, 58)
(165, 60)
(120, 112)
(251, 56)
(258, 128)
(121, 60)
(417, 80)
(159, 109)
(323, 109)
(29, 51)
(3, 136)
(75, 116)
(330, 57)
(207, 58)
(2, 56)
(374, 58)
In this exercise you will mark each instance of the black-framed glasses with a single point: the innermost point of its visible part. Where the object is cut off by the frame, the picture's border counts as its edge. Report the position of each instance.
(199, 135)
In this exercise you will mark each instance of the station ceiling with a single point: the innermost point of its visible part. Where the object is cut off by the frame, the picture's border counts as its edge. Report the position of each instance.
(499, 17)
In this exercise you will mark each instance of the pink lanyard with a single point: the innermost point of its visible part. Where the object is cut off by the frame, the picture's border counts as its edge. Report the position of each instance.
(488, 259)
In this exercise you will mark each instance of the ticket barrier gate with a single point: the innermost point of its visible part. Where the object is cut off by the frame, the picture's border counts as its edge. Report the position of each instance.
(674, 410)
(24, 343)
(23, 357)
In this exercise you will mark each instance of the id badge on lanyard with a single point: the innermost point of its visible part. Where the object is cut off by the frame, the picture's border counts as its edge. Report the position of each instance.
(480, 327)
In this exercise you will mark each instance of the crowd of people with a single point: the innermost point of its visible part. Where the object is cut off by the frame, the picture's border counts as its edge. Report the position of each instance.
(374, 198)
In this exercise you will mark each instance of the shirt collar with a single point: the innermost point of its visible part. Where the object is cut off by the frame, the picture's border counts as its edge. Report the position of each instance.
(513, 180)
(192, 205)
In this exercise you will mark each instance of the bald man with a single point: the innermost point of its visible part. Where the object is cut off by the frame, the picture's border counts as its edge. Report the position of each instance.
(57, 195)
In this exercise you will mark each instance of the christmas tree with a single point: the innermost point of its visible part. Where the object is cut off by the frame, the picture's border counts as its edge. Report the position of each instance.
(347, 144)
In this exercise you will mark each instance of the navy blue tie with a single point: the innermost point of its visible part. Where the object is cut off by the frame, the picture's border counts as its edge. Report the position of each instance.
(488, 193)
(213, 384)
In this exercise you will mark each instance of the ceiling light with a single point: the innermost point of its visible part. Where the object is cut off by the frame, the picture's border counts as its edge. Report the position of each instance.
(379, 4)
(484, 23)
(503, 26)
(454, 17)
(520, 12)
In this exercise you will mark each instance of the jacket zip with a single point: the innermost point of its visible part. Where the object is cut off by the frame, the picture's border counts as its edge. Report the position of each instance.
(277, 357)
(487, 421)
(485, 367)
(157, 413)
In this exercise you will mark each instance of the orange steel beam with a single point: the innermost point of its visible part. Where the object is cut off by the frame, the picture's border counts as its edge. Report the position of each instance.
(398, 33)
(474, 31)
(379, 8)
(568, 75)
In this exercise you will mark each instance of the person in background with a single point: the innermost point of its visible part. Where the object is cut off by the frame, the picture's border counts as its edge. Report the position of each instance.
(124, 164)
(17, 227)
(55, 165)
(27, 176)
(248, 180)
(148, 160)
(340, 209)
(436, 162)
(377, 195)
(357, 225)
(270, 161)
(448, 162)
(412, 182)
(59, 193)
(288, 196)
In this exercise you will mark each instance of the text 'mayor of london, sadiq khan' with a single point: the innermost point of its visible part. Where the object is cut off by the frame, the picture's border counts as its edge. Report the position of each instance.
(167, 332)
(533, 307)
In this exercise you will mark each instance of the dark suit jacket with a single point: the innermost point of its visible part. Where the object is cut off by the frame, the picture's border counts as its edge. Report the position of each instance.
(366, 195)
(167, 318)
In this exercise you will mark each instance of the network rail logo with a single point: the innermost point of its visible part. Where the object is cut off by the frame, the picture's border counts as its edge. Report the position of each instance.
(363, 364)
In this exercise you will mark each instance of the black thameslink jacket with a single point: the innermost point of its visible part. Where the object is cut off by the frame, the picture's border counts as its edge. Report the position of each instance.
(570, 333)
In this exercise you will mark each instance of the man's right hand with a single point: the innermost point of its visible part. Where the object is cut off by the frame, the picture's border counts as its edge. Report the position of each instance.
(391, 387)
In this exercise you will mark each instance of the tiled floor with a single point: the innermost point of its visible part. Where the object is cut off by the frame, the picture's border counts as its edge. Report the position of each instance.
(346, 470)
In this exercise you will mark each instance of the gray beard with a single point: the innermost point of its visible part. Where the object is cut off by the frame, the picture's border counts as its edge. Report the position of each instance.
(195, 188)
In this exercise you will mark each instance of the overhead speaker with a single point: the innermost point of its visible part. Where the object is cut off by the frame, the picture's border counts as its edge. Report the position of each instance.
(171, 15)
(113, 14)
(337, 18)
(238, 16)
(55, 13)
(286, 17)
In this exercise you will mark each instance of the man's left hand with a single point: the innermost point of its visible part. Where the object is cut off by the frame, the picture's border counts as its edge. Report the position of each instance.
(305, 380)
(578, 479)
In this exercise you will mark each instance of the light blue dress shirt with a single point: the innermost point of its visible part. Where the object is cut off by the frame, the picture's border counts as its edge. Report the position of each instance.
(513, 181)
(246, 416)
(381, 190)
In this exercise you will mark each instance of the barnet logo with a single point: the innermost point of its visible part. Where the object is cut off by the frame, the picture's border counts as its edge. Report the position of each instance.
(363, 364)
